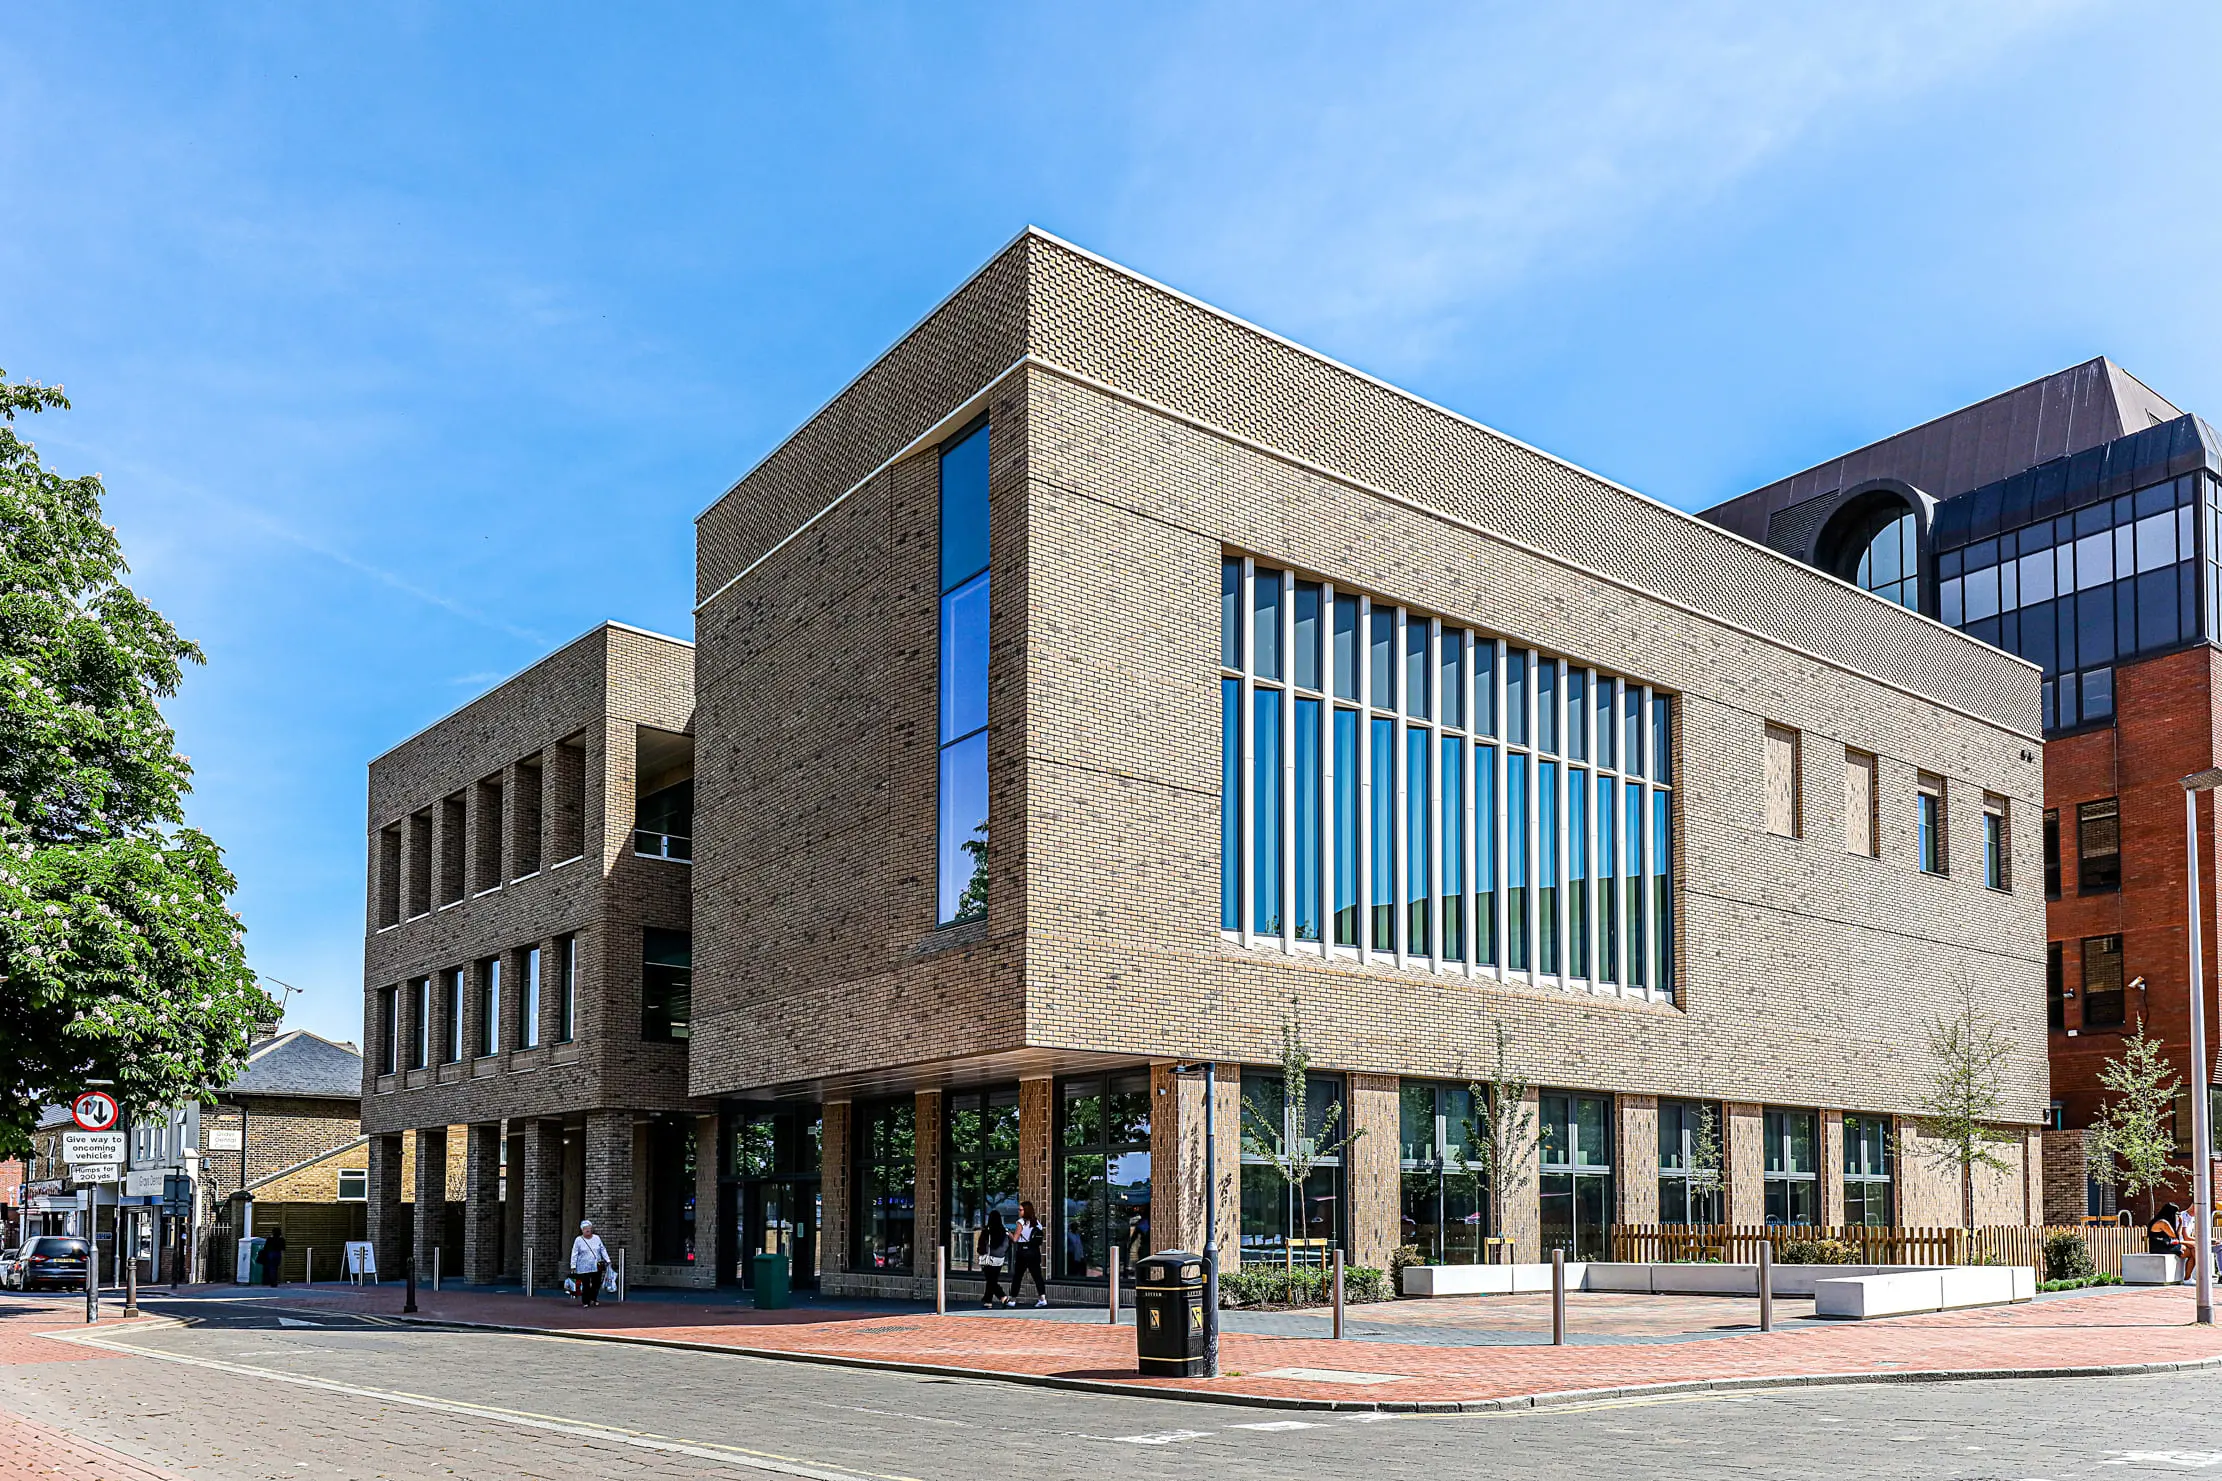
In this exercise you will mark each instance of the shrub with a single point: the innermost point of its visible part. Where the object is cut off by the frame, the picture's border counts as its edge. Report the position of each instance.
(2067, 1256)
(1274, 1285)
(1402, 1256)
(1817, 1252)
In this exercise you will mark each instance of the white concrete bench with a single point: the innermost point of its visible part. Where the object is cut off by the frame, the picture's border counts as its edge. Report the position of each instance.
(2151, 1270)
(1909, 1292)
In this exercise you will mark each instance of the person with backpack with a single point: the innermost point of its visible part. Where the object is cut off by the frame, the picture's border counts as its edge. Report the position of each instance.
(1027, 1244)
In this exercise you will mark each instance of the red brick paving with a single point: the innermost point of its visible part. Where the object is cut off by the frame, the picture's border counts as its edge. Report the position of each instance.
(28, 1449)
(2129, 1327)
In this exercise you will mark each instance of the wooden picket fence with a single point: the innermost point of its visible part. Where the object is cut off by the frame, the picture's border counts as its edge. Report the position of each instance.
(1998, 1244)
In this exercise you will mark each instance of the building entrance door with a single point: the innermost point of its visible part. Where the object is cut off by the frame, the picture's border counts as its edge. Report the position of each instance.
(780, 1217)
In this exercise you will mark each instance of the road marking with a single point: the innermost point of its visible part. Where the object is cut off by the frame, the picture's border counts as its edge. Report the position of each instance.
(1276, 1425)
(1162, 1437)
(2195, 1460)
(294, 1321)
(731, 1455)
(1330, 1375)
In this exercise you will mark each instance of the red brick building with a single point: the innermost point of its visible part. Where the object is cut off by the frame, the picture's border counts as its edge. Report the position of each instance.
(2072, 521)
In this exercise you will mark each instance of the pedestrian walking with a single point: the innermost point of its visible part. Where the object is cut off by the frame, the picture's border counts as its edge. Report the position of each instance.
(590, 1260)
(1027, 1243)
(271, 1254)
(995, 1252)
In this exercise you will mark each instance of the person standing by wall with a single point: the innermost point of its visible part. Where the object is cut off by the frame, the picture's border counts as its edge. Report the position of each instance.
(272, 1256)
(1027, 1243)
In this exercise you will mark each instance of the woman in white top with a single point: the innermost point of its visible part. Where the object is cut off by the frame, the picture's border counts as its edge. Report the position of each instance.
(589, 1258)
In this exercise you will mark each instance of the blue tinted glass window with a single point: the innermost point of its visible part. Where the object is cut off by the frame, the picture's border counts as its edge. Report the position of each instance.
(1346, 827)
(1383, 658)
(1454, 847)
(1546, 704)
(964, 827)
(1519, 850)
(1307, 634)
(1633, 875)
(1516, 696)
(1265, 633)
(1230, 804)
(964, 659)
(1485, 855)
(964, 508)
(1577, 715)
(1346, 647)
(1662, 900)
(1631, 742)
(1577, 873)
(1608, 903)
(1419, 886)
(1485, 686)
(1454, 678)
(1265, 812)
(1662, 740)
(1305, 907)
(1546, 875)
(1604, 729)
(2098, 694)
(1415, 667)
(1230, 614)
(1382, 744)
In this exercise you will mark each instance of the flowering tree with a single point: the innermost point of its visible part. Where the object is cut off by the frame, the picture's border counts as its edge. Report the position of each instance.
(119, 959)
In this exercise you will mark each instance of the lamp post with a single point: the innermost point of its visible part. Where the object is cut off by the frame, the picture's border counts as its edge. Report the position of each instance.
(1211, 1210)
(2202, 1132)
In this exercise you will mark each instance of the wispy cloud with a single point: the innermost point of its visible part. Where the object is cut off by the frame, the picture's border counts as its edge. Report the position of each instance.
(1449, 158)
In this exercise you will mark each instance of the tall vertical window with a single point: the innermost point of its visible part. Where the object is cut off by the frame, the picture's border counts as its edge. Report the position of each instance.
(1576, 1182)
(489, 1006)
(886, 1185)
(1443, 1197)
(1860, 832)
(1867, 1171)
(529, 1016)
(2098, 847)
(1791, 1176)
(1393, 784)
(1691, 1162)
(1280, 1222)
(2052, 853)
(1103, 1173)
(2056, 988)
(964, 677)
(567, 988)
(1930, 823)
(1997, 844)
(389, 1030)
(982, 1168)
(420, 1031)
(451, 994)
(1782, 781)
(666, 984)
(2103, 1005)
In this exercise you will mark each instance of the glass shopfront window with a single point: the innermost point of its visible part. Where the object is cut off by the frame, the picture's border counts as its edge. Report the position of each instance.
(1444, 1204)
(886, 1185)
(1691, 1162)
(1281, 1223)
(1792, 1182)
(1867, 1171)
(981, 1167)
(1576, 1186)
(1103, 1173)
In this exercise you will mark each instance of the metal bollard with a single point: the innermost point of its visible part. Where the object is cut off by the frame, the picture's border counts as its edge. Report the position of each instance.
(1338, 1295)
(1767, 1285)
(409, 1301)
(528, 1275)
(621, 1274)
(1558, 1298)
(308, 1266)
(941, 1282)
(1112, 1269)
(435, 1270)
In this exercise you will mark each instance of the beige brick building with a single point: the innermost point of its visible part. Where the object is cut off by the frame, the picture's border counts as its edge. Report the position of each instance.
(1099, 683)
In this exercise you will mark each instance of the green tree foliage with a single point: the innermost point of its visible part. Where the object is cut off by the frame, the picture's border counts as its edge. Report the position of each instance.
(1960, 1113)
(2132, 1145)
(1501, 1134)
(119, 958)
(1286, 1142)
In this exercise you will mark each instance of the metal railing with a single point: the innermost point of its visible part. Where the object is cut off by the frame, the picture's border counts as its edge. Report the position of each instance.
(678, 847)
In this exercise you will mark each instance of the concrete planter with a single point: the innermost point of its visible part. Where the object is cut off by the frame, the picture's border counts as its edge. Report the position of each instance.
(1856, 1291)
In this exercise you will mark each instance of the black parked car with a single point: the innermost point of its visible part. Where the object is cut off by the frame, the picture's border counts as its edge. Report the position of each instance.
(53, 1260)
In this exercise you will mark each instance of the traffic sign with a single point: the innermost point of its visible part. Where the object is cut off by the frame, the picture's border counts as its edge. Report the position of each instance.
(92, 1146)
(95, 1110)
(96, 1172)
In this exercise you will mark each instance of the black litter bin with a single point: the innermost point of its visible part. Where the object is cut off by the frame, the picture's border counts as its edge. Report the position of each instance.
(1172, 1325)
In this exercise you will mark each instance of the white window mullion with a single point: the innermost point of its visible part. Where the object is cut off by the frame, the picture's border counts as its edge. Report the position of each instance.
(1327, 769)
(1399, 886)
(1434, 672)
(1364, 892)
(1470, 783)
(1248, 780)
(1498, 915)
(1288, 760)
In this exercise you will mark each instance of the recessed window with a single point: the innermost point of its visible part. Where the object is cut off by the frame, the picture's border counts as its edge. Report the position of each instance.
(528, 1017)
(1998, 865)
(1867, 1171)
(2098, 847)
(666, 984)
(489, 1005)
(354, 1185)
(1862, 830)
(1782, 781)
(1575, 1185)
(2056, 987)
(963, 825)
(1792, 1162)
(2103, 1005)
(1444, 1200)
(886, 1182)
(2052, 853)
(1930, 823)
(1888, 563)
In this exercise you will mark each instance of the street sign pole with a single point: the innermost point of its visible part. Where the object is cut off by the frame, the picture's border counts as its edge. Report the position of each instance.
(92, 1258)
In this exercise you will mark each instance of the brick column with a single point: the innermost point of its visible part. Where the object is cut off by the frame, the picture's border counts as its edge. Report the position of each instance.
(541, 1177)
(1176, 1159)
(1831, 1170)
(384, 1191)
(928, 1202)
(1227, 1118)
(1036, 1107)
(833, 1233)
(431, 1196)
(710, 1231)
(612, 1200)
(1523, 1220)
(1744, 1155)
(1372, 1170)
(1636, 1160)
(482, 1210)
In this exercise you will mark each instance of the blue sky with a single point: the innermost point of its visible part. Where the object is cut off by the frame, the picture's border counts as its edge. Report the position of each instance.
(410, 338)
